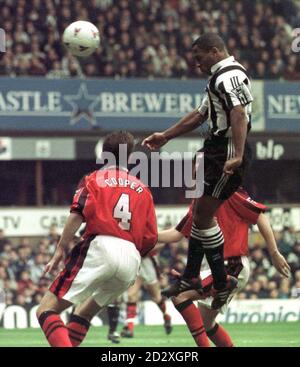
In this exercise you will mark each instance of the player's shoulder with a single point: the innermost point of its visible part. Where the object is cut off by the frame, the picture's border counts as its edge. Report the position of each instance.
(230, 71)
(233, 65)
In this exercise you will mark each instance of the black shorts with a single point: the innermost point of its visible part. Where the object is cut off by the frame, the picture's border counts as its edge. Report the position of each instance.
(217, 150)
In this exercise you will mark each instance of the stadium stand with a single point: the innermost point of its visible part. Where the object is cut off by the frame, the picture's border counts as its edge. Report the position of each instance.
(149, 38)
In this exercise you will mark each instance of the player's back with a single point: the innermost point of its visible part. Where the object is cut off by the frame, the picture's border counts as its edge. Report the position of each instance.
(117, 204)
(234, 217)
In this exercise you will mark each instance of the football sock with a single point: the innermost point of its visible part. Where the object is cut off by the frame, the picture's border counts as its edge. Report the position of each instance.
(54, 329)
(219, 336)
(194, 257)
(193, 319)
(113, 312)
(78, 328)
(131, 315)
(212, 243)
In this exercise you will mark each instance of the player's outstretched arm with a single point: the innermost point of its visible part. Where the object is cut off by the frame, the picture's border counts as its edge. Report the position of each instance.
(169, 235)
(188, 123)
(72, 225)
(278, 260)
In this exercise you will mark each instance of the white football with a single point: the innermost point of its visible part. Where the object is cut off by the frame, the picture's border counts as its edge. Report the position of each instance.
(81, 38)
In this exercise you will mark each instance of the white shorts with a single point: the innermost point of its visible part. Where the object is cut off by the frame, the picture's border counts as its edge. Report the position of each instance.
(103, 268)
(149, 270)
(243, 278)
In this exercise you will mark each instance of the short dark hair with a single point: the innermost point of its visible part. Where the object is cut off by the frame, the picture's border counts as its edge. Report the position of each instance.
(209, 40)
(113, 140)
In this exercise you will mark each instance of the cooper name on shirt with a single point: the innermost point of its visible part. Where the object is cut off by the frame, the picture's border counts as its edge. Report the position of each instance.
(112, 182)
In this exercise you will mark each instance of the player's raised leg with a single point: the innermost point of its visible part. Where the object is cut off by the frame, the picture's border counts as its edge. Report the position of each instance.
(207, 234)
(206, 238)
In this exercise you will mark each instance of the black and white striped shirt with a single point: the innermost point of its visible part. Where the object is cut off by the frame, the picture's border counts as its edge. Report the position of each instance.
(228, 86)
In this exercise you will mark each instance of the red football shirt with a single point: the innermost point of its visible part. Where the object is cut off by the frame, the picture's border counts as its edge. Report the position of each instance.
(234, 217)
(114, 203)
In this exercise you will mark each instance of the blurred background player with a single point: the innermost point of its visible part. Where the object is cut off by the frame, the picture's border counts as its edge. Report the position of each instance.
(234, 217)
(149, 277)
(227, 107)
(120, 228)
(113, 312)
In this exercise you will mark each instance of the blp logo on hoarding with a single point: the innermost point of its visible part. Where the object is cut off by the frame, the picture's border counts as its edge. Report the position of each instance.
(2, 40)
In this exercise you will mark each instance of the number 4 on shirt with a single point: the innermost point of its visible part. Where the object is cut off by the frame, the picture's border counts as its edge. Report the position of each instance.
(121, 212)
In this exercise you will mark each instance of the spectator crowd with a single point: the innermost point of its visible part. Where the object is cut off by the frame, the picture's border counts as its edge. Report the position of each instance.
(148, 38)
(22, 264)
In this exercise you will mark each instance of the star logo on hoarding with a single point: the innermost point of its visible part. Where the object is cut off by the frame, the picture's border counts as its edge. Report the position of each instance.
(83, 105)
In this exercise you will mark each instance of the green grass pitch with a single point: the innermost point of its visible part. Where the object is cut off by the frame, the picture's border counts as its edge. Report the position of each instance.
(243, 335)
